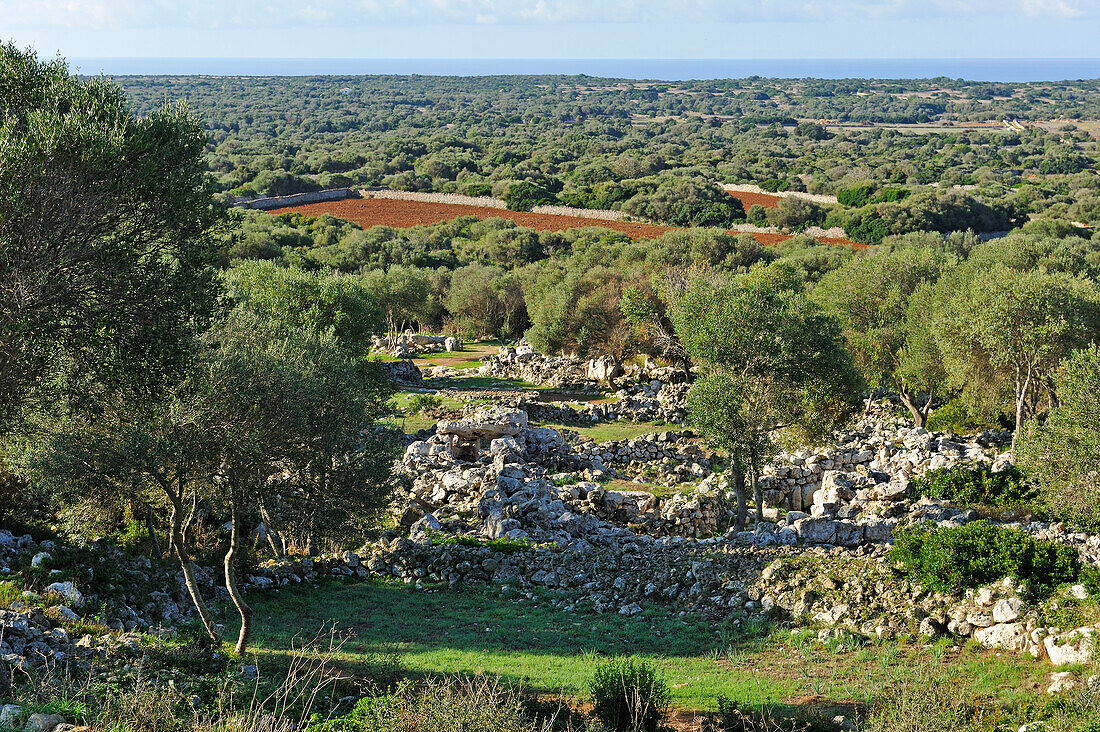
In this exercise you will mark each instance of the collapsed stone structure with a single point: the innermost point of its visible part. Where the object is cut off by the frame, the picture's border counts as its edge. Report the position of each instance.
(491, 497)
(404, 345)
(523, 363)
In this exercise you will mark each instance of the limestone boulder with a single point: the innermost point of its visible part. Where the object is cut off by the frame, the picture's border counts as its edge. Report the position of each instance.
(1005, 636)
(1075, 647)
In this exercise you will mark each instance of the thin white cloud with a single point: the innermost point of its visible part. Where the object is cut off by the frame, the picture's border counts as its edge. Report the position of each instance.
(90, 14)
(1054, 8)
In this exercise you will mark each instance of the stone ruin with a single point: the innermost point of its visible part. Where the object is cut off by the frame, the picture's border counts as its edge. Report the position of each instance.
(404, 345)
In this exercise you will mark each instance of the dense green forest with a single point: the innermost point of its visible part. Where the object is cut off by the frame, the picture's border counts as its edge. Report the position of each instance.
(211, 448)
(653, 149)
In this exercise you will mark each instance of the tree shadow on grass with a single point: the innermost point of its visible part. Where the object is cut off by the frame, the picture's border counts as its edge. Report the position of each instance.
(477, 629)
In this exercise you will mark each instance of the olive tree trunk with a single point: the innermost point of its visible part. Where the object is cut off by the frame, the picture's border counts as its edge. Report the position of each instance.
(231, 583)
(1023, 385)
(920, 413)
(739, 492)
(175, 530)
(757, 495)
(152, 529)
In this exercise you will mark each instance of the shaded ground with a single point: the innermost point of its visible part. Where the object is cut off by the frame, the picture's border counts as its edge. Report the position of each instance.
(485, 630)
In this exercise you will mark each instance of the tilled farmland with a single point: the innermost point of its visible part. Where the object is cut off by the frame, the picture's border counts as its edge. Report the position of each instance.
(403, 213)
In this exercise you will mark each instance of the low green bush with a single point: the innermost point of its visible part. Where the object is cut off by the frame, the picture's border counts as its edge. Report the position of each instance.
(955, 417)
(628, 695)
(504, 545)
(734, 717)
(192, 651)
(855, 196)
(952, 559)
(469, 705)
(974, 485)
(932, 701)
(524, 195)
(420, 403)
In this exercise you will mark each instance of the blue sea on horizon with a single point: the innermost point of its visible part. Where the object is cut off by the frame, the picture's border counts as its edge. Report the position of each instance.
(974, 69)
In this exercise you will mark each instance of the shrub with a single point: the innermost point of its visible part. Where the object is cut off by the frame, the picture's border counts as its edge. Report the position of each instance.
(891, 195)
(478, 189)
(868, 229)
(470, 705)
(956, 558)
(192, 651)
(524, 195)
(955, 417)
(757, 215)
(504, 545)
(1060, 455)
(855, 196)
(734, 717)
(928, 702)
(629, 695)
(974, 484)
(424, 402)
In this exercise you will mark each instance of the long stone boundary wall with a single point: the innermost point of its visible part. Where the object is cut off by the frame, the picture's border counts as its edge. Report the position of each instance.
(750, 188)
(264, 204)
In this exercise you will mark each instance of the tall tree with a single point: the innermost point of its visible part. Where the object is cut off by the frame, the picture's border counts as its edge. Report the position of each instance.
(1062, 454)
(577, 308)
(106, 237)
(1002, 333)
(870, 296)
(312, 300)
(299, 460)
(772, 361)
(166, 447)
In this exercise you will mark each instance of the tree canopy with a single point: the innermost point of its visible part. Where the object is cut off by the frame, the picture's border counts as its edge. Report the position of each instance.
(106, 237)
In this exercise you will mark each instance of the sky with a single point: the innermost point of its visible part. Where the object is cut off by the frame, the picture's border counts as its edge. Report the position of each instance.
(555, 29)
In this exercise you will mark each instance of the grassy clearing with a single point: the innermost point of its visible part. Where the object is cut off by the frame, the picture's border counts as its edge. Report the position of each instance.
(605, 431)
(471, 630)
(470, 356)
(484, 382)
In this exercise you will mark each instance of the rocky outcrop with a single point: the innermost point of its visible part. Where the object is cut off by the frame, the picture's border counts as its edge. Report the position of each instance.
(881, 448)
(403, 372)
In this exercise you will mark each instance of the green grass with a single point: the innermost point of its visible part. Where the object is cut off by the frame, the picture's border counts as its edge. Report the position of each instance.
(605, 431)
(469, 355)
(473, 630)
(470, 630)
(484, 382)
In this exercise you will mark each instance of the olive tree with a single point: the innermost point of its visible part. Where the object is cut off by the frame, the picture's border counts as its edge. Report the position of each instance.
(870, 296)
(407, 295)
(106, 238)
(300, 460)
(1062, 454)
(311, 300)
(771, 360)
(1002, 333)
(166, 447)
(577, 308)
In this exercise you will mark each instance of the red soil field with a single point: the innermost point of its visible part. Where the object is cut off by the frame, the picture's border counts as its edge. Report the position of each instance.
(400, 214)
(749, 199)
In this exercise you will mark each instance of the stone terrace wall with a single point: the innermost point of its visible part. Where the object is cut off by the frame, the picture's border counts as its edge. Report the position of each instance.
(297, 199)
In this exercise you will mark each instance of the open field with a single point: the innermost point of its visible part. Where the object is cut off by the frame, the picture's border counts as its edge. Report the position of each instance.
(401, 213)
(748, 199)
